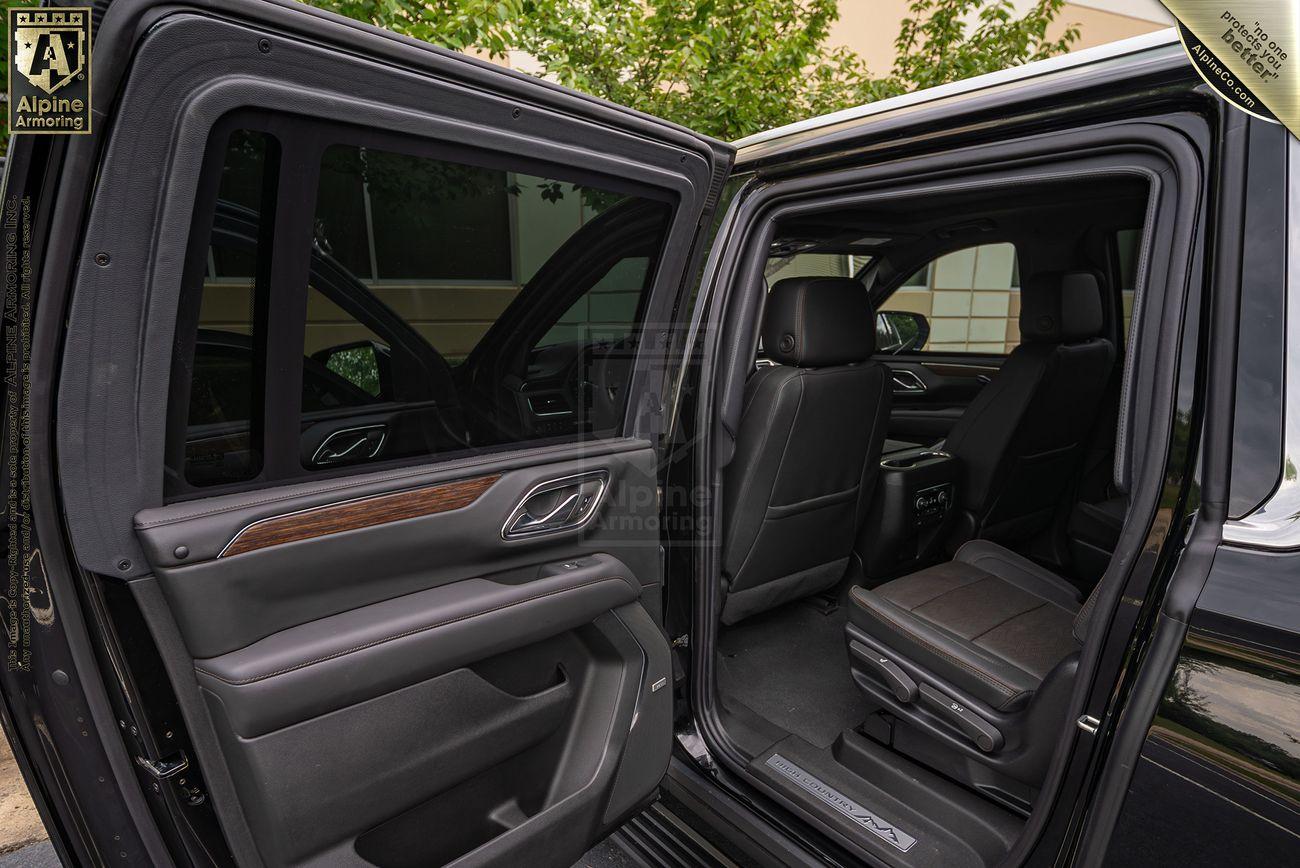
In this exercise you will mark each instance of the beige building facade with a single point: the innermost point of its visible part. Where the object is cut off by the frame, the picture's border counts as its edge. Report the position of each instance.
(869, 27)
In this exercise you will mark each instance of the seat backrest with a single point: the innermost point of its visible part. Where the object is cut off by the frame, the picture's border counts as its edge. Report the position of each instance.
(808, 447)
(1020, 443)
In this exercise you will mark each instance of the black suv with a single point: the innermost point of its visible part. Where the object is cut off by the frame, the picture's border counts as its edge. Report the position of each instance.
(409, 462)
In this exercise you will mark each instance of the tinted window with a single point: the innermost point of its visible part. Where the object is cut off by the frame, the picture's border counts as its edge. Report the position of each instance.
(441, 307)
(390, 216)
(607, 311)
(224, 412)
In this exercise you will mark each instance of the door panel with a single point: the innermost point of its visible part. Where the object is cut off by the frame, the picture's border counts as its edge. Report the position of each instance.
(932, 391)
(369, 668)
(493, 679)
(227, 601)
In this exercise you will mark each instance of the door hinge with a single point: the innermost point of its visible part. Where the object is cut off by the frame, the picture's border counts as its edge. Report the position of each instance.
(165, 768)
(1088, 724)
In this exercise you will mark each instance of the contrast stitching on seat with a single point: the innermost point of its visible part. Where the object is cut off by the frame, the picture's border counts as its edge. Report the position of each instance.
(1007, 690)
(1081, 626)
(1026, 569)
(404, 634)
(928, 600)
(975, 581)
(1006, 620)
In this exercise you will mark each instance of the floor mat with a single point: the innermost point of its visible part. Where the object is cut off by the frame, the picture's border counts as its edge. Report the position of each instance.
(791, 667)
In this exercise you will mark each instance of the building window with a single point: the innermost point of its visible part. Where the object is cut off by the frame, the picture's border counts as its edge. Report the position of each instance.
(970, 297)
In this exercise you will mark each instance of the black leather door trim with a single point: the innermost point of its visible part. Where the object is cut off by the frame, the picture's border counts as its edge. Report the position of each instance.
(345, 659)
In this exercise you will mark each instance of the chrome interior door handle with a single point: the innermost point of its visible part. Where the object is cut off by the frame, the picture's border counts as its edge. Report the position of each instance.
(906, 382)
(559, 505)
(348, 445)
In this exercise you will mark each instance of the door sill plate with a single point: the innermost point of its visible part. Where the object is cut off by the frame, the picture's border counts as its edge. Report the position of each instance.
(864, 817)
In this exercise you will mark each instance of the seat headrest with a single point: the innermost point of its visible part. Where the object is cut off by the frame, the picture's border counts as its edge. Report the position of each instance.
(814, 322)
(1059, 307)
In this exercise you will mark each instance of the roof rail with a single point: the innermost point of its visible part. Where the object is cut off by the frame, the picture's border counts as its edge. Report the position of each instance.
(1097, 54)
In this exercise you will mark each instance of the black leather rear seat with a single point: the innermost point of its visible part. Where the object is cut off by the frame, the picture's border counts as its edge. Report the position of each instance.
(974, 659)
(989, 621)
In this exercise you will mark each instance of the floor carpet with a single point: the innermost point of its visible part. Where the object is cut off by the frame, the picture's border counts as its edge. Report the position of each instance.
(790, 666)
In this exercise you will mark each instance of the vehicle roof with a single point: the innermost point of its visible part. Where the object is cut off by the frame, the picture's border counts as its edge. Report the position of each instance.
(1159, 45)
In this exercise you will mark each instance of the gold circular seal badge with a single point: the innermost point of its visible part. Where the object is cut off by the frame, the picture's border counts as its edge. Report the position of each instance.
(1246, 51)
(1217, 75)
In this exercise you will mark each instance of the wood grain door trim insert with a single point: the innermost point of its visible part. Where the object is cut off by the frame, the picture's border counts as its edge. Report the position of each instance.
(356, 514)
(956, 369)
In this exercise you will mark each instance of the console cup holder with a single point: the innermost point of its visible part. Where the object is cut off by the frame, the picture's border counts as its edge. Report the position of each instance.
(903, 462)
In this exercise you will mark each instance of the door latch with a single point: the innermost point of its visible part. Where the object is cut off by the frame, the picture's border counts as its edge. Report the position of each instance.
(165, 768)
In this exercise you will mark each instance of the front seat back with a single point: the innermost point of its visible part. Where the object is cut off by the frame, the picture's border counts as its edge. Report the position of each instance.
(1020, 442)
(808, 447)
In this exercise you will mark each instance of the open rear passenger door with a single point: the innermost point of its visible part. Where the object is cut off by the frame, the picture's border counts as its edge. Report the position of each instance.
(408, 617)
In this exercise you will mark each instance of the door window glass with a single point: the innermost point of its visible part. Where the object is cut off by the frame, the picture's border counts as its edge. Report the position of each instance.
(444, 307)
(607, 311)
(224, 395)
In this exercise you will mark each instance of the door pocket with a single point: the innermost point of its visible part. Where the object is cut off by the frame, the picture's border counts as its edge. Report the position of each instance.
(308, 795)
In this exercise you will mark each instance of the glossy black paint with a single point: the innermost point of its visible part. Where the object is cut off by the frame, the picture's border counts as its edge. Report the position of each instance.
(1257, 422)
(1218, 781)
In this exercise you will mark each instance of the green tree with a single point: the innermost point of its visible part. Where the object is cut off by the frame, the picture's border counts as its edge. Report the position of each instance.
(936, 45)
(724, 67)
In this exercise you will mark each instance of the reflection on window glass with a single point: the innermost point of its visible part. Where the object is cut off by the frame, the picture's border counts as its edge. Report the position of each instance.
(358, 365)
(447, 245)
(607, 311)
(445, 307)
(970, 298)
(224, 445)
(342, 368)
(417, 258)
(395, 217)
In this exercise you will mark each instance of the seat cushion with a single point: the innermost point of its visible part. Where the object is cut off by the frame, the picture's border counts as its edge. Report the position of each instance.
(989, 621)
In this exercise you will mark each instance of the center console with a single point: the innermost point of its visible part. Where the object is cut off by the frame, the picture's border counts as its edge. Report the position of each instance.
(914, 497)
